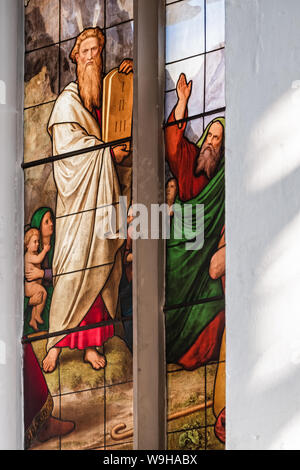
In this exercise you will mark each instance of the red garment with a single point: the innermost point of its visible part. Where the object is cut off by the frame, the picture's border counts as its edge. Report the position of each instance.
(35, 387)
(94, 337)
(220, 427)
(207, 346)
(181, 155)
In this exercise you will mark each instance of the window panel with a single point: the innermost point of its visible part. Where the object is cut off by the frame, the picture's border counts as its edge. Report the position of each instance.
(170, 102)
(119, 45)
(215, 80)
(67, 68)
(185, 29)
(88, 411)
(76, 375)
(119, 366)
(41, 23)
(194, 128)
(194, 301)
(39, 349)
(118, 11)
(211, 117)
(185, 391)
(119, 409)
(86, 396)
(215, 24)
(40, 190)
(74, 18)
(41, 76)
(37, 142)
(194, 70)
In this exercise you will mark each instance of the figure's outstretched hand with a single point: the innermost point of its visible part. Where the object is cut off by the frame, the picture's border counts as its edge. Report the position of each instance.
(183, 88)
(121, 152)
(47, 248)
(126, 66)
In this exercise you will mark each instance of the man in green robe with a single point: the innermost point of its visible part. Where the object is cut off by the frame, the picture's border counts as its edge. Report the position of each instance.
(194, 301)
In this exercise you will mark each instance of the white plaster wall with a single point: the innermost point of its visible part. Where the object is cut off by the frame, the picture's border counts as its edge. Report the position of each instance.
(11, 217)
(263, 224)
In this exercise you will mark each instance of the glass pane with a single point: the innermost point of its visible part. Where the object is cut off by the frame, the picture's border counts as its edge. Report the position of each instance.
(89, 417)
(215, 24)
(193, 70)
(75, 18)
(41, 23)
(185, 29)
(119, 409)
(67, 68)
(119, 366)
(40, 189)
(118, 11)
(195, 317)
(186, 389)
(119, 45)
(37, 142)
(211, 117)
(215, 80)
(72, 206)
(194, 129)
(41, 76)
(170, 102)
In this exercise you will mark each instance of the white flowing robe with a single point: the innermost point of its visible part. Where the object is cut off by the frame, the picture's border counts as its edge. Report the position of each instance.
(84, 263)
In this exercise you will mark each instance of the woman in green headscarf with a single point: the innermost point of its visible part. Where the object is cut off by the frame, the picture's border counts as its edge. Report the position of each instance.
(43, 220)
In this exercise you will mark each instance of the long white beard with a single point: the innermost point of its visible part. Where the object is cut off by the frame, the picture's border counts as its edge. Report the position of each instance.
(207, 161)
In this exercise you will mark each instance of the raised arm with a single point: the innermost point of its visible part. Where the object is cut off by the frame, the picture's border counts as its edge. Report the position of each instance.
(178, 148)
(36, 259)
(183, 90)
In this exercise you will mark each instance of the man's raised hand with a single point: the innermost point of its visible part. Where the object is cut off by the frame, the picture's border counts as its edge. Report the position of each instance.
(183, 88)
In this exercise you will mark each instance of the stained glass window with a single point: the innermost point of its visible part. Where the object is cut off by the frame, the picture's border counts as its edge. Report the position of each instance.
(77, 338)
(78, 306)
(195, 277)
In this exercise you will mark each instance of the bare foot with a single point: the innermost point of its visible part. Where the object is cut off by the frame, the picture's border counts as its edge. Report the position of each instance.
(55, 427)
(96, 360)
(33, 324)
(50, 361)
(34, 320)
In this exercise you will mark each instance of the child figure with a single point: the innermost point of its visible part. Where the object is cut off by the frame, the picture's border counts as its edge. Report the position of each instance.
(34, 290)
(171, 193)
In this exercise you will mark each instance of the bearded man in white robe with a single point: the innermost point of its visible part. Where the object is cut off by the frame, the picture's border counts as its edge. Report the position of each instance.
(86, 265)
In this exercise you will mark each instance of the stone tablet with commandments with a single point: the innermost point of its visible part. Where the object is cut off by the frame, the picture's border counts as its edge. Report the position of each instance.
(117, 106)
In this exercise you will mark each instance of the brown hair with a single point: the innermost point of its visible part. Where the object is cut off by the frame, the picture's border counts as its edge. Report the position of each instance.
(87, 33)
(28, 236)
